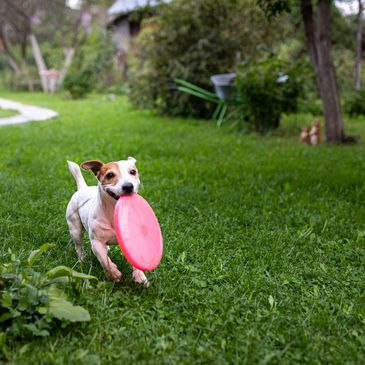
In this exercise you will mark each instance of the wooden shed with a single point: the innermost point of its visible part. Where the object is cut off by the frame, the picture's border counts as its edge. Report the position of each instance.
(122, 24)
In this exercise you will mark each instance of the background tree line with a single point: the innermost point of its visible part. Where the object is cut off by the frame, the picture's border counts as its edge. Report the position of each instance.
(312, 42)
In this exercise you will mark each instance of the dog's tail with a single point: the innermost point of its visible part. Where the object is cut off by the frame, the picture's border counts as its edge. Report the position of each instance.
(76, 173)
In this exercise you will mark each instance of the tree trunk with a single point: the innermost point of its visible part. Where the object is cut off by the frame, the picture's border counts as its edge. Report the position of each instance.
(358, 46)
(39, 61)
(317, 31)
(10, 55)
(69, 55)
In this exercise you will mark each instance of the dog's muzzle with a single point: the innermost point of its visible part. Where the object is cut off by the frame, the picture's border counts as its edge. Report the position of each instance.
(127, 189)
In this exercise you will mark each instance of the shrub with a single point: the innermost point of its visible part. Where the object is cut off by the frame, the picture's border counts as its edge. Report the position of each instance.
(267, 88)
(92, 66)
(79, 82)
(354, 103)
(191, 40)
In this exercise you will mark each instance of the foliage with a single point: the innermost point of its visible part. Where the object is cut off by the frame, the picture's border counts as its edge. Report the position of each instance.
(191, 89)
(354, 102)
(20, 18)
(310, 104)
(192, 40)
(79, 83)
(91, 67)
(274, 7)
(31, 301)
(266, 89)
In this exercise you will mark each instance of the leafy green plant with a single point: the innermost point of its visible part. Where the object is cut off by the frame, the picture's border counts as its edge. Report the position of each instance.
(92, 66)
(267, 88)
(31, 301)
(354, 103)
(79, 83)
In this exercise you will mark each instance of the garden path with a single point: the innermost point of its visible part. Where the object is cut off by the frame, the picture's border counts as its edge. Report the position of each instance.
(27, 113)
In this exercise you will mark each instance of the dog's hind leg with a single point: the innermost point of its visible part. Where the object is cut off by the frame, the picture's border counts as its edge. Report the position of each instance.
(139, 277)
(76, 230)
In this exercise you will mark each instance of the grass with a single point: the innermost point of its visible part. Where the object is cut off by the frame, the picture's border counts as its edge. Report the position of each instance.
(4, 113)
(264, 239)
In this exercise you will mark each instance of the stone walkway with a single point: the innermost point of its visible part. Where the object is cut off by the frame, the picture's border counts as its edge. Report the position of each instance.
(27, 113)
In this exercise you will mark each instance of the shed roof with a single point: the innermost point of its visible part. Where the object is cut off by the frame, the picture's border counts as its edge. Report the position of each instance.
(123, 7)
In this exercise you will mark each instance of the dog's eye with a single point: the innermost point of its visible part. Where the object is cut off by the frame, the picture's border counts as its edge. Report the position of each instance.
(133, 172)
(110, 175)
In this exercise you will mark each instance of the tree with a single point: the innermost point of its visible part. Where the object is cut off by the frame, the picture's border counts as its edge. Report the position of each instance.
(14, 30)
(317, 30)
(317, 25)
(359, 45)
(23, 22)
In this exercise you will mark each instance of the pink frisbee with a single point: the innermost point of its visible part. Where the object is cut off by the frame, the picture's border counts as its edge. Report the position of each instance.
(138, 232)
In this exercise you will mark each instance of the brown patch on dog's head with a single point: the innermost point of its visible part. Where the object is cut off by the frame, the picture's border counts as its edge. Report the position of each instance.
(109, 173)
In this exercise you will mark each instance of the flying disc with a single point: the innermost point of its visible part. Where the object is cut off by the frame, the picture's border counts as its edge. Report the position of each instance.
(138, 232)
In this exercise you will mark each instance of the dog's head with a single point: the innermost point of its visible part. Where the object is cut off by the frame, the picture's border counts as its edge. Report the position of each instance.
(115, 178)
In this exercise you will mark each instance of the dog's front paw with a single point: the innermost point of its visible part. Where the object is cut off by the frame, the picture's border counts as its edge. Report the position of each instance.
(140, 278)
(115, 274)
(81, 255)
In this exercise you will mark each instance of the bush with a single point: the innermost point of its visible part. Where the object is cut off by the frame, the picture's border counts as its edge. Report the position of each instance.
(354, 103)
(79, 82)
(310, 104)
(191, 40)
(92, 66)
(267, 88)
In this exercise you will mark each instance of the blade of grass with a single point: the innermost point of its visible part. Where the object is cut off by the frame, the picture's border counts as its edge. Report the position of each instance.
(221, 115)
(217, 110)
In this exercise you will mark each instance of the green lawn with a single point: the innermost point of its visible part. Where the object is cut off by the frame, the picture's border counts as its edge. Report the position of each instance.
(4, 113)
(264, 239)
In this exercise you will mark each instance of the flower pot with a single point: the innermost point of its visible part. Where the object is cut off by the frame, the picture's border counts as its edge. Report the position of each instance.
(224, 85)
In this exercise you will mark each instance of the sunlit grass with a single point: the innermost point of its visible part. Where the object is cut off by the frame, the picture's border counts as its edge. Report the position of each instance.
(264, 239)
(4, 113)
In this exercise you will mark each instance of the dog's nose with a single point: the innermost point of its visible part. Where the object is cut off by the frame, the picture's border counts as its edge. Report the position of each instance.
(127, 188)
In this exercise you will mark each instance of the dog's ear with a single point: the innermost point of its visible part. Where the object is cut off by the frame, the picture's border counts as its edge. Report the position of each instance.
(93, 165)
(132, 159)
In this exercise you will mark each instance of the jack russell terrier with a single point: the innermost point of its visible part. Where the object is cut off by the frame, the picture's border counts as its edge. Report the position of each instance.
(92, 208)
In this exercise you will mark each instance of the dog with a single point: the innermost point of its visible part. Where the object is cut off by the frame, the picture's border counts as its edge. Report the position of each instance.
(315, 133)
(91, 208)
(304, 136)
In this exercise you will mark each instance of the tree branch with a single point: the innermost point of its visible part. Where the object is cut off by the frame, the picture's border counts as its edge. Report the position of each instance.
(11, 58)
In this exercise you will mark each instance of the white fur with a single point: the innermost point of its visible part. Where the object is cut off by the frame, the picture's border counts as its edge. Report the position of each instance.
(92, 208)
(314, 138)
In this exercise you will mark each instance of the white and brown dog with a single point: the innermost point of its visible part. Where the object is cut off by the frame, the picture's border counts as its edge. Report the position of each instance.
(92, 208)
